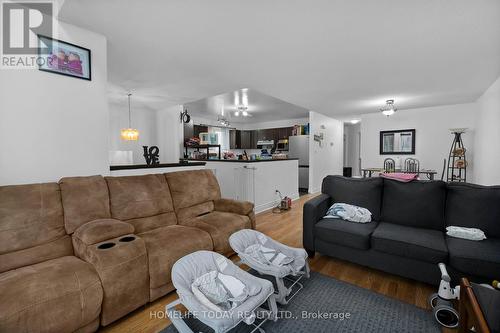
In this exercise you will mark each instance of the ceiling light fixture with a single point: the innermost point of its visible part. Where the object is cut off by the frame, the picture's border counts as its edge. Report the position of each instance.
(129, 134)
(355, 121)
(243, 110)
(389, 108)
(223, 120)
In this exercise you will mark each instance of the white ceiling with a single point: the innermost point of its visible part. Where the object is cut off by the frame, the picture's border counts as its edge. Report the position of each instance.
(336, 57)
(260, 107)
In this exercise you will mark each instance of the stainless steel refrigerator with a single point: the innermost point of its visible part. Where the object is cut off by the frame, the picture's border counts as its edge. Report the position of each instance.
(298, 147)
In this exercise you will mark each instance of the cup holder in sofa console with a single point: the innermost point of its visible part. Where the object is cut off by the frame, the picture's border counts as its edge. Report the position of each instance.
(127, 239)
(105, 246)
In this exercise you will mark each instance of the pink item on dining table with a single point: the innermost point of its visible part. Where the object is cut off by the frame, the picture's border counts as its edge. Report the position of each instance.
(400, 176)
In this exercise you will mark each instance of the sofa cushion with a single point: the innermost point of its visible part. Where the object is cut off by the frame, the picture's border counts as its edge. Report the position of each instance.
(474, 206)
(166, 245)
(415, 204)
(31, 225)
(233, 206)
(345, 233)
(59, 295)
(416, 243)
(189, 213)
(193, 188)
(84, 199)
(478, 258)
(363, 192)
(221, 225)
(143, 201)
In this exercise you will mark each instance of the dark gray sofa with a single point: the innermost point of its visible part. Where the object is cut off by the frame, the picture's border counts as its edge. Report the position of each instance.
(407, 236)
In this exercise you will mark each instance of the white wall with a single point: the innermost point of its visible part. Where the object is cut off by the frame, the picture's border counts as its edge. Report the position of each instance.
(487, 141)
(160, 128)
(143, 119)
(52, 126)
(352, 147)
(170, 132)
(327, 159)
(433, 137)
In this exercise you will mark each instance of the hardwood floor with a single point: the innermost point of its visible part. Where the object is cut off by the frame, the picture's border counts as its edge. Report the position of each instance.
(287, 228)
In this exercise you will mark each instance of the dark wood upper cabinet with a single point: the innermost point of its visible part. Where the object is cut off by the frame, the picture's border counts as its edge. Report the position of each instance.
(284, 132)
(246, 140)
(234, 139)
(269, 134)
(188, 131)
(254, 138)
(197, 129)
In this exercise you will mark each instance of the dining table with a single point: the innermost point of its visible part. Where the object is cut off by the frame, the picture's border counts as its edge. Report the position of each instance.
(370, 172)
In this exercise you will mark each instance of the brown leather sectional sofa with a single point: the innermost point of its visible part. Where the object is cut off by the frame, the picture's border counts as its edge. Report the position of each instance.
(88, 250)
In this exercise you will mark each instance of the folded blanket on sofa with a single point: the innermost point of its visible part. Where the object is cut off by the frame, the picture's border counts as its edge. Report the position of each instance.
(349, 213)
(465, 233)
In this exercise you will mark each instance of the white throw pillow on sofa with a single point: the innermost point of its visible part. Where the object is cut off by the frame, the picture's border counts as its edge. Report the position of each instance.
(465, 233)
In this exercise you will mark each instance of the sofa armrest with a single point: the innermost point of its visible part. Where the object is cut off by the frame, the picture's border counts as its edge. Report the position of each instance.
(120, 259)
(100, 230)
(236, 207)
(314, 210)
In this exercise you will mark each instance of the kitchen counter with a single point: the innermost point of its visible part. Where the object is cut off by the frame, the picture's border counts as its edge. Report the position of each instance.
(248, 161)
(143, 169)
(256, 181)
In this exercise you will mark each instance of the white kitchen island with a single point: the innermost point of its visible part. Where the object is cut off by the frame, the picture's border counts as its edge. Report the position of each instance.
(257, 181)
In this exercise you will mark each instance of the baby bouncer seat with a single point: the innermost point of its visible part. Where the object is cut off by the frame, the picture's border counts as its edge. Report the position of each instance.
(219, 294)
(269, 257)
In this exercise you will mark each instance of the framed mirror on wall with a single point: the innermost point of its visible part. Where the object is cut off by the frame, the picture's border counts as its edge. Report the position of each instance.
(397, 142)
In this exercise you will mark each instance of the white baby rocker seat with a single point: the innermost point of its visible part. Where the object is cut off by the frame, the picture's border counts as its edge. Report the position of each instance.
(270, 257)
(219, 293)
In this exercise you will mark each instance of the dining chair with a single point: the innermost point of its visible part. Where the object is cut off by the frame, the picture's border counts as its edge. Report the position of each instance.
(412, 165)
(389, 165)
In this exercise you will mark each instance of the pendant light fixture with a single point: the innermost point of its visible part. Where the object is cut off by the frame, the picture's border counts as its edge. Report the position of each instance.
(129, 134)
(389, 108)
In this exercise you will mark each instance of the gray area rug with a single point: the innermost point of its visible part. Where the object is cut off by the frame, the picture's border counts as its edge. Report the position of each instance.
(344, 308)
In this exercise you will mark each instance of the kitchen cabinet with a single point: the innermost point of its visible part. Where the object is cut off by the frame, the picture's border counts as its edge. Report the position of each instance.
(269, 134)
(241, 139)
(254, 138)
(284, 132)
(188, 131)
(246, 139)
(234, 139)
(197, 129)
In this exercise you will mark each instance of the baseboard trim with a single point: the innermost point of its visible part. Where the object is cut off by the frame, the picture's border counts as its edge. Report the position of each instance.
(270, 205)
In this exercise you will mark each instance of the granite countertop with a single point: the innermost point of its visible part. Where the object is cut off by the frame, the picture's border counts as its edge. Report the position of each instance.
(248, 161)
(163, 165)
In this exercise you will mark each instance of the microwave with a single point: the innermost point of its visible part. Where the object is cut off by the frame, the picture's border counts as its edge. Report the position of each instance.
(265, 144)
(282, 144)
